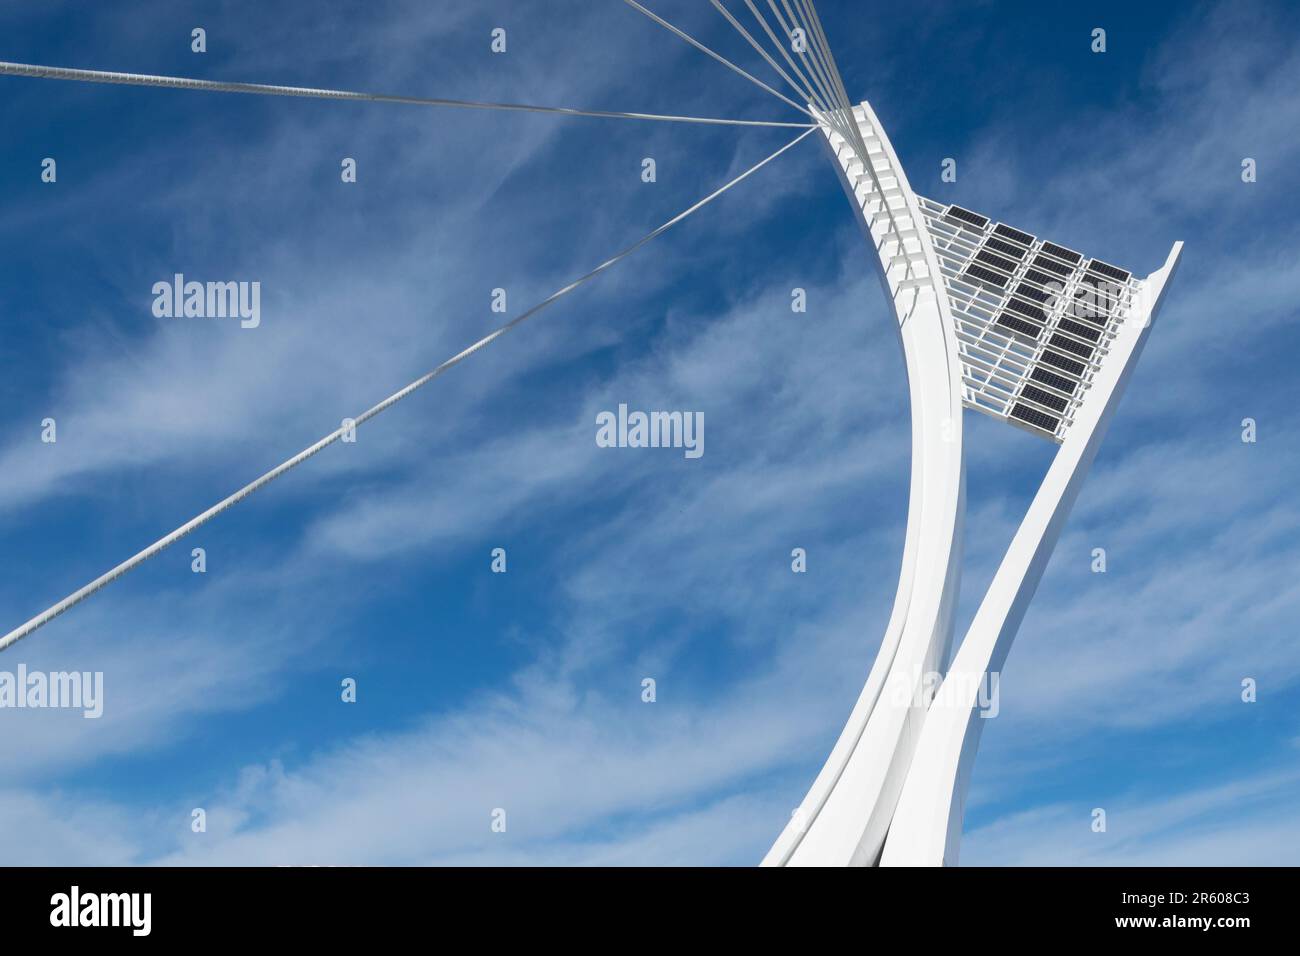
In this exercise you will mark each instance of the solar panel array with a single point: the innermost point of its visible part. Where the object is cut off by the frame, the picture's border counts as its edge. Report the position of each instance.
(1035, 319)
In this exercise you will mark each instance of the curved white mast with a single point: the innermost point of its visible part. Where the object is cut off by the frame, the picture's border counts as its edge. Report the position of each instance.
(1026, 330)
(844, 818)
(926, 828)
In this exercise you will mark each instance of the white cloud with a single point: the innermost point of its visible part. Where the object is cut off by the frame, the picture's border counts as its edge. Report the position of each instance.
(1248, 822)
(685, 572)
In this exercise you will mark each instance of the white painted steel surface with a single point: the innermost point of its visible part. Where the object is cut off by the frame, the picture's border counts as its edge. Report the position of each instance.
(893, 788)
(844, 817)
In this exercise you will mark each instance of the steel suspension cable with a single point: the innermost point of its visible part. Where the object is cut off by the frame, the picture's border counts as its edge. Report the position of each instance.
(265, 89)
(80, 595)
(840, 117)
(829, 115)
(841, 113)
(721, 59)
(780, 47)
(809, 54)
(739, 27)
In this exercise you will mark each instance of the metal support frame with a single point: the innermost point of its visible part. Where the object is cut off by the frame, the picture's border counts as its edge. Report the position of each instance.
(893, 788)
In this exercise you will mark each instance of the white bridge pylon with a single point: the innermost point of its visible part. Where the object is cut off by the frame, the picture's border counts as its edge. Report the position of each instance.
(991, 318)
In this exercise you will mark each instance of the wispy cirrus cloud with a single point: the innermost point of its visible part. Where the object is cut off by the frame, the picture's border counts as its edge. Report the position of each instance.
(651, 568)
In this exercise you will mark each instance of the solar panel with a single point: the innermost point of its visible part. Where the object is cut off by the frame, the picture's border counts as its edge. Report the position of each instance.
(1079, 329)
(965, 215)
(1111, 272)
(1069, 255)
(1063, 363)
(1042, 278)
(995, 260)
(1031, 297)
(1093, 300)
(1028, 310)
(1006, 248)
(1038, 295)
(1053, 266)
(1016, 324)
(1069, 345)
(1046, 399)
(1034, 417)
(1002, 229)
(1052, 380)
(980, 274)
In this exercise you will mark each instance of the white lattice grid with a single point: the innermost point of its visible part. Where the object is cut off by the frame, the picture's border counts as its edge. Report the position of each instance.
(996, 363)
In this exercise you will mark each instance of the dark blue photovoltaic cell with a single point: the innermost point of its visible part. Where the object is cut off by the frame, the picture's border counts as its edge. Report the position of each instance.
(1094, 299)
(1062, 362)
(965, 215)
(1079, 329)
(1027, 309)
(1042, 278)
(1020, 325)
(1002, 229)
(1044, 398)
(995, 260)
(1052, 266)
(1069, 345)
(980, 274)
(1038, 295)
(1009, 249)
(1069, 255)
(1111, 272)
(1052, 380)
(1034, 417)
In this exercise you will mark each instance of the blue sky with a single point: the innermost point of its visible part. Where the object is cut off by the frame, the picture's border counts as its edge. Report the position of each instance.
(523, 690)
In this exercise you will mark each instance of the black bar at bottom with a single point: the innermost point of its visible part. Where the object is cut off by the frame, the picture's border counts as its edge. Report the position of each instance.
(666, 907)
